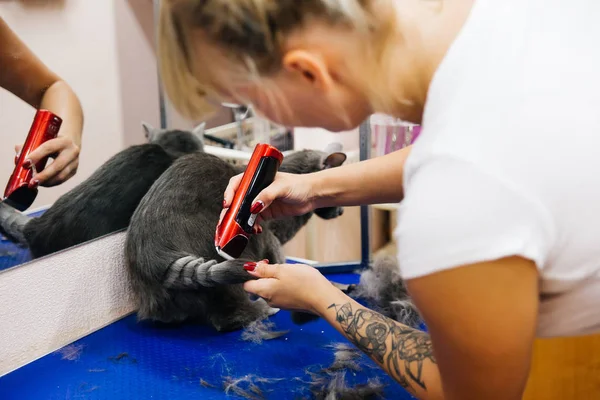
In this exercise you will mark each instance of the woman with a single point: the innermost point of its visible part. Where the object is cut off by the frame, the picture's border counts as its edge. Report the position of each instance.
(24, 75)
(500, 217)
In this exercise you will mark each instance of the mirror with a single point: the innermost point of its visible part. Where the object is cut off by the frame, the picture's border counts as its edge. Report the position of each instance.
(105, 52)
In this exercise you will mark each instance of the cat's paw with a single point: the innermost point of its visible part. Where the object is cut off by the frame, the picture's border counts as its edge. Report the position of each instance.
(301, 318)
(265, 307)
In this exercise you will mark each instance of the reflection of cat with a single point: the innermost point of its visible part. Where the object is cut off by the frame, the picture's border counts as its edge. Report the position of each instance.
(175, 271)
(105, 202)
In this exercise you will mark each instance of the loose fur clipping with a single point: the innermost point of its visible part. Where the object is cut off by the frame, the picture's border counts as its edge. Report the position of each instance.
(259, 330)
(247, 386)
(383, 289)
(346, 356)
(338, 389)
(330, 383)
(326, 384)
(71, 352)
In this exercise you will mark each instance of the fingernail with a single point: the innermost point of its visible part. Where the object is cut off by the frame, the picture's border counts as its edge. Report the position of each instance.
(260, 230)
(224, 203)
(34, 183)
(27, 164)
(251, 266)
(265, 261)
(257, 207)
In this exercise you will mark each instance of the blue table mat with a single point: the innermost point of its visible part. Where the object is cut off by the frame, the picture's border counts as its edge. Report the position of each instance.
(140, 360)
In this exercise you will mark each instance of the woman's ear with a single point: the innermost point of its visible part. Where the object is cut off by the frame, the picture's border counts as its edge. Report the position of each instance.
(309, 67)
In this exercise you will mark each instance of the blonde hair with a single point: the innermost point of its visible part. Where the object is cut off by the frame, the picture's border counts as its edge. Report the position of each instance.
(251, 34)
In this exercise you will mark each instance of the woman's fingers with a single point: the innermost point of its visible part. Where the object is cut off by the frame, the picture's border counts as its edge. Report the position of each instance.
(263, 269)
(62, 168)
(48, 149)
(18, 148)
(268, 279)
(231, 189)
(261, 287)
(67, 173)
(265, 198)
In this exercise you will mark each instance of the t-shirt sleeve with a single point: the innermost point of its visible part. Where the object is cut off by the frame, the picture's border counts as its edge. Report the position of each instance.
(454, 214)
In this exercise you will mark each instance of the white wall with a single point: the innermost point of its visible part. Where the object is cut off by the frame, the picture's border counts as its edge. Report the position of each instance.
(76, 39)
(318, 139)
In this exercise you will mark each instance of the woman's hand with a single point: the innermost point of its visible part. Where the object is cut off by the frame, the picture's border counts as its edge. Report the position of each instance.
(28, 78)
(65, 152)
(289, 195)
(290, 286)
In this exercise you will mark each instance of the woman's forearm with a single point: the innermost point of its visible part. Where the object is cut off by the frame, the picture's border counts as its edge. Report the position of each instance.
(374, 181)
(62, 101)
(28, 78)
(404, 353)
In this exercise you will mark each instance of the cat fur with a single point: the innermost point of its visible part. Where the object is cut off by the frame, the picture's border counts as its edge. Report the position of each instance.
(174, 269)
(104, 202)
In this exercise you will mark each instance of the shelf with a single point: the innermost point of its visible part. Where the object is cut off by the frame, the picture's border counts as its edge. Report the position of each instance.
(386, 206)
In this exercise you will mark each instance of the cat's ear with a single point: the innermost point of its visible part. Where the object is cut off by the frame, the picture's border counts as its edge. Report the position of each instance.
(149, 130)
(199, 130)
(334, 157)
(334, 160)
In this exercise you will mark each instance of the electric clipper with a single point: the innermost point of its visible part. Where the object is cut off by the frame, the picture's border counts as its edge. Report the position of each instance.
(18, 194)
(233, 233)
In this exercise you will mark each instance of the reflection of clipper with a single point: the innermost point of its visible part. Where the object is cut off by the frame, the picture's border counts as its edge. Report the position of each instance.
(234, 231)
(18, 194)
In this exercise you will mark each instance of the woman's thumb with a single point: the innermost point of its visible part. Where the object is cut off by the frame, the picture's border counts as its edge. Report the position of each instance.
(263, 269)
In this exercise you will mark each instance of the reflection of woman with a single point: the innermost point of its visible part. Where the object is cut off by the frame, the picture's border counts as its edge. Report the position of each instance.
(499, 225)
(23, 74)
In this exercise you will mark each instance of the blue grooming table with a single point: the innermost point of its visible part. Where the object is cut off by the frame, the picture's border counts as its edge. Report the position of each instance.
(131, 360)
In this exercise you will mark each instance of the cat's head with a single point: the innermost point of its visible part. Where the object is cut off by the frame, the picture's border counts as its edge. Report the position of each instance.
(176, 142)
(308, 161)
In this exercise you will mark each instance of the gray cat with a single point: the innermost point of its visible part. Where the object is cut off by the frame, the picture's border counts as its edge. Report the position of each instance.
(104, 202)
(175, 271)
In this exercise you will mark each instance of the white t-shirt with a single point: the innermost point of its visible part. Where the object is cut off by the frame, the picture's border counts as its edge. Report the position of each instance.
(508, 161)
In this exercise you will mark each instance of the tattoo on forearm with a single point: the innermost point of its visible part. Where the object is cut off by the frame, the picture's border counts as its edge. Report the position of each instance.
(370, 331)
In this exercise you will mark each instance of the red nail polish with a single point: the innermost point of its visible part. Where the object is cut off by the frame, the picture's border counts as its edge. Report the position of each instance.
(265, 261)
(257, 207)
(34, 184)
(27, 164)
(251, 266)
(224, 203)
(260, 230)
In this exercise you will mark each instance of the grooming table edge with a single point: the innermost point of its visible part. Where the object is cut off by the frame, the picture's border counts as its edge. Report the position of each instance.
(55, 300)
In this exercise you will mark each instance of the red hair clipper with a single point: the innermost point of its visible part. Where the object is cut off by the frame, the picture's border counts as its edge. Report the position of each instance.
(233, 233)
(17, 194)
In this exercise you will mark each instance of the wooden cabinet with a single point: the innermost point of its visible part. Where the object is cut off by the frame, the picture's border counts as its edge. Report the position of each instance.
(337, 240)
(565, 369)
